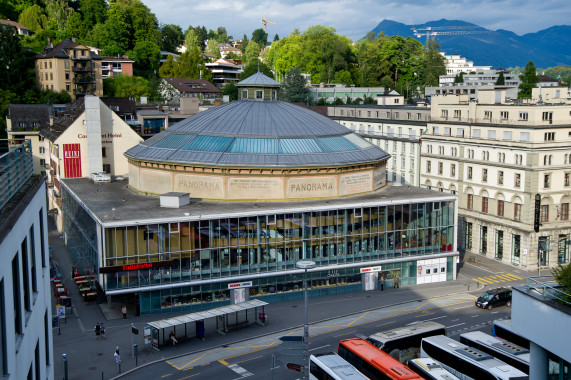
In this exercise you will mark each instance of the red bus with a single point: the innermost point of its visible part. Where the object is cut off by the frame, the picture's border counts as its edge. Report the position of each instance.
(372, 362)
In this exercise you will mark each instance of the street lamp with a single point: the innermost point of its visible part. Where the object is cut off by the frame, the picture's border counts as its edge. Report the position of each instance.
(305, 265)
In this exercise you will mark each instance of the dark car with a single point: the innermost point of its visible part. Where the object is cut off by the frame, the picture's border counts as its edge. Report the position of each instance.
(495, 297)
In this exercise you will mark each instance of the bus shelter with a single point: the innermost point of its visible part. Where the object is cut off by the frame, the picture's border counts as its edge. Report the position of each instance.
(192, 325)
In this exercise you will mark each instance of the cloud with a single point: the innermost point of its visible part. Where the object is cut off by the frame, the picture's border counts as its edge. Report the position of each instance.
(354, 18)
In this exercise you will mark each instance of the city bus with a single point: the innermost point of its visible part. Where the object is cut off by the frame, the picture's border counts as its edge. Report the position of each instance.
(507, 352)
(502, 328)
(331, 366)
(430, 369)
(372, 362)
(403, 343)
(467, 362)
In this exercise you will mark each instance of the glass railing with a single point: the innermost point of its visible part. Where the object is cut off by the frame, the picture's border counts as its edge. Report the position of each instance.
(16, 167)
(549, 288)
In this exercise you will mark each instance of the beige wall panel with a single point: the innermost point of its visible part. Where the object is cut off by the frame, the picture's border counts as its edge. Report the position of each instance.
(155, 182)
(200, 186)
(255, 188)
(355, 183)
(379, 177)
(311, 187)
(134, 176)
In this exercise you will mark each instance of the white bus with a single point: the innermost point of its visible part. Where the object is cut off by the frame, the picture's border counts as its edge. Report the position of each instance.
(467, 362)
(508, 352)
(403, 343)
(331, 366)
(430, 369)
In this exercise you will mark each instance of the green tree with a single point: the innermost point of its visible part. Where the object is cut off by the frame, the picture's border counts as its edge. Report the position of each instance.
(146, 55)
(7, 97)
(387, 82)
(528, 80)
(252, 68)
(34, 18)
(191, 39)
(75, 26)
(260, 37)
(93, 11)
(276, 38)
(231, 90)
(369, 100)
(562, 274)
(501, 81)
(213, 48)
(459, 78)
(244, 44)
(60, 11)
(167, 69)
(53, 97)
(222, 35)
(252, 53)
(17, 68)
(8, 11)
(232, 55)
(171, 37)
(125, 85)
(294, 89)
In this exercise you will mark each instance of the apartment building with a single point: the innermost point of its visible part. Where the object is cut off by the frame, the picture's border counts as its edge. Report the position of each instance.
(69, 66)
(456, 64)
(24, 122)
(25, 301)
(397, 130)
(511, 168)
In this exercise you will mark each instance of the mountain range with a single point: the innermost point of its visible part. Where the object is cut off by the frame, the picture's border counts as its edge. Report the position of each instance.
(500, 48)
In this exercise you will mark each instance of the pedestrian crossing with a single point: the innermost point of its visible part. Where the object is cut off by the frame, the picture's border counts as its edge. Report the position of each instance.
(497, 278)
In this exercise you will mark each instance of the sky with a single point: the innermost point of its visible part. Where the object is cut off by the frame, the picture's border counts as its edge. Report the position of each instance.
(354, 18)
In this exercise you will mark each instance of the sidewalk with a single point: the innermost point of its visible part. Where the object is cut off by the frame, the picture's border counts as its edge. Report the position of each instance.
(89, 357)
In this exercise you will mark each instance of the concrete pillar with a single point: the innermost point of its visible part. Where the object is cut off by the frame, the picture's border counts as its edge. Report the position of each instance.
(93, 132)
(539, 362)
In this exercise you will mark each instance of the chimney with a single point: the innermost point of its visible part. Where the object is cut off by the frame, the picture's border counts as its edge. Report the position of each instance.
(72, 39)
(93, 124)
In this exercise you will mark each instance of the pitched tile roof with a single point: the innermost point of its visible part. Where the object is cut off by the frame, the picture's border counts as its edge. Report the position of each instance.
(58, 51)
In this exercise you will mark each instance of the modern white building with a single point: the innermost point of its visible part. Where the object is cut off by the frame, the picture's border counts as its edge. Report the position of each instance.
(25, 301)
(541, 313)
(334, 91)
(456, 64)
(397, 130)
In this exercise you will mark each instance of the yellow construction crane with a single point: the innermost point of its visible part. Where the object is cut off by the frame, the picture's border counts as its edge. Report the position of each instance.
(265, 22)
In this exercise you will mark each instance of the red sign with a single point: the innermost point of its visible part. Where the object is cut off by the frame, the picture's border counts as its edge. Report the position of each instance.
(139, 266)
(235, 285)
(72, 160)
(293, 367)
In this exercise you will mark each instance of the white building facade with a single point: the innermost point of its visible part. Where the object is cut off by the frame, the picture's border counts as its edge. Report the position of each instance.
(25, 301)
(499, 158)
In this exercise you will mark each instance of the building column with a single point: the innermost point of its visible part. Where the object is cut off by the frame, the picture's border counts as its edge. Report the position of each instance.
(539, 362)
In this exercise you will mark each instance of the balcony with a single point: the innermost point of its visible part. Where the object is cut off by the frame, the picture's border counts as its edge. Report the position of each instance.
(81, 57)
(16, 168)
(84, 80)
(82, 69)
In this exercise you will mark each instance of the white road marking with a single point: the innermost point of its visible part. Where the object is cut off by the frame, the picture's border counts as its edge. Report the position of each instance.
(454, 320)
(473, 316)
(240, 371)
(317, 348)
(459, 324)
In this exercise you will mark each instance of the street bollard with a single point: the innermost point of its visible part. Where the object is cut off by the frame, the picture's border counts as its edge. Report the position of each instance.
(136, 352)
(65, 375)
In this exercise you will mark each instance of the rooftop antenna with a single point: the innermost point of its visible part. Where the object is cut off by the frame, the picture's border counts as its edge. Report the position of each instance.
(258, 66)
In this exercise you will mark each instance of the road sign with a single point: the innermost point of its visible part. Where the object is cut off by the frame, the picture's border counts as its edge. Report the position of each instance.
(294, 367)
(60, 311)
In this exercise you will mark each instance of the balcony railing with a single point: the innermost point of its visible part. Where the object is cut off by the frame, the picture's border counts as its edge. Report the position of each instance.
(83, 80)
(548, 288)
(82, 69)
(16, 167)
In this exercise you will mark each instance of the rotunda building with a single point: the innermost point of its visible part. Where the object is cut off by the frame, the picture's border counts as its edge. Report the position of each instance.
(257, 148)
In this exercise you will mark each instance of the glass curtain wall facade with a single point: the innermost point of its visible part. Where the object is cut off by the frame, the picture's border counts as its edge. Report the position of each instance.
(204, 250)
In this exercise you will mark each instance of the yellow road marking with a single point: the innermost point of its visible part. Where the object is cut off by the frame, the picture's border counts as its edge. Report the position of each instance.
(188, 377)
(257, 357)
(168, 374)
(350, 332)
(189, 363)
(514, 276)
(388, 323)
(462, 307)
(223, 362)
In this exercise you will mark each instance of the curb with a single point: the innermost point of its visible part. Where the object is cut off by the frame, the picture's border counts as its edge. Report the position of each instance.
(271, 333)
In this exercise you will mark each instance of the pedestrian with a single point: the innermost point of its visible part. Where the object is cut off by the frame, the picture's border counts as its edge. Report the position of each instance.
(124, 311)
(102, 330)
(172, 338)
(397, 281)
(117, 356)
(97, 330)
(382, 283)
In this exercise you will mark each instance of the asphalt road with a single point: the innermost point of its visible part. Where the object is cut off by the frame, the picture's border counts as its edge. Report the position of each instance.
(254, 358)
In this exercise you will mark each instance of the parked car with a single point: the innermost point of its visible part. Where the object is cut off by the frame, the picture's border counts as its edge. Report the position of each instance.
(495, 297)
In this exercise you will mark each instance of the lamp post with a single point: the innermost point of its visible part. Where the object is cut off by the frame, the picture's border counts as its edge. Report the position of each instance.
(305, 265)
